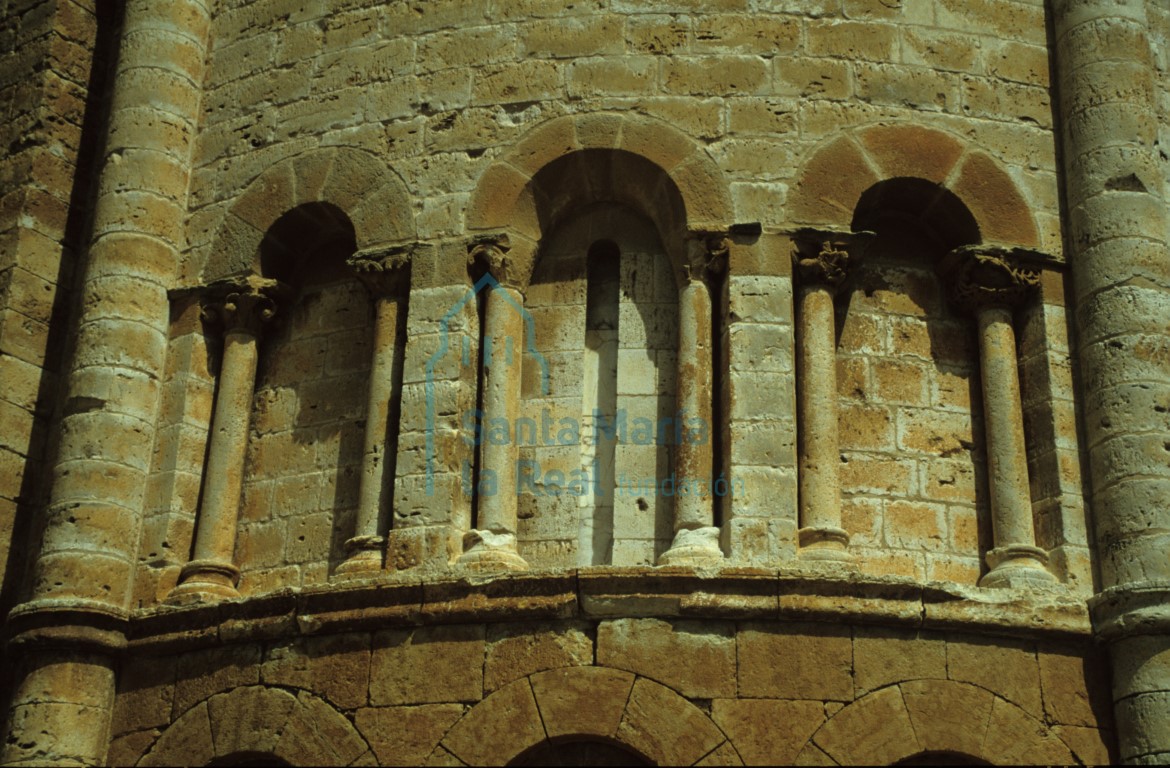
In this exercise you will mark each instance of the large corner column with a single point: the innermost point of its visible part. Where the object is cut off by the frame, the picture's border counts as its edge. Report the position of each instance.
(83, 576)
(696, 539)
(243, 308)
(385, 275)
(1119, 240)
(491, 546)
(991, 283)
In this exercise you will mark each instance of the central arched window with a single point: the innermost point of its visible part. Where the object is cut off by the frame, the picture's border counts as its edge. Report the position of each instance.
(603, 299)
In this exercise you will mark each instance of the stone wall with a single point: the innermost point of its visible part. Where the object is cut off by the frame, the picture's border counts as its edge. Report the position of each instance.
(442, 95)
(46, 73)
(678, 691)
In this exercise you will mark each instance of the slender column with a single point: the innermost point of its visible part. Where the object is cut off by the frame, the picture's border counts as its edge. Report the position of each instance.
(492, 545)
(822, 261)
(84, 572)
(1106, 76)
(384, 273)
(990, 283)
(243, 307)
(696, 539)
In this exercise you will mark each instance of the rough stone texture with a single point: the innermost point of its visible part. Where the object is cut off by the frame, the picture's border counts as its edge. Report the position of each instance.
(652, 648)
(149, 152)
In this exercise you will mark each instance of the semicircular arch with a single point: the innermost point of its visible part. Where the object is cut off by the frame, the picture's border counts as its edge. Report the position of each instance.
(839, 171)
(926, 716)
(290, 725)
(576, 704)
(338, 186)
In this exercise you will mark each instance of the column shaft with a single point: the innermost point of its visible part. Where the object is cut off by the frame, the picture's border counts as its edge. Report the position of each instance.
(223, 479)
(86, 562)
(1119, 252)
(375, 491)
(1007, 460)
(492, 546)
(820, 460)
(696, 538)
(693, 458)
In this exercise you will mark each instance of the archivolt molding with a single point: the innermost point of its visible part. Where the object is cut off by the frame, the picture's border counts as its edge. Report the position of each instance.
(917, 716)
(294, 726)
(584, 703)
(650, 164)
(839, 171)
(360, 186)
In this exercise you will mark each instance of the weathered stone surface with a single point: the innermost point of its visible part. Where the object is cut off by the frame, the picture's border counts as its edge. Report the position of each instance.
(752, 725)
(662, 725)
(797, 661)
(651, 648)
(406, 735)
(515, 651)
(431, 664)
(512, 710)
(585, 700)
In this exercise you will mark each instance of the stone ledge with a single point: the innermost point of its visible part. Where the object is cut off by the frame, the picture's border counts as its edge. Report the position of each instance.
(609, 592)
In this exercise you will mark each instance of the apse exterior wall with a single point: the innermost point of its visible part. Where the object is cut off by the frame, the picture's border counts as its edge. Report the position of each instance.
(439, 95)
(800, 107)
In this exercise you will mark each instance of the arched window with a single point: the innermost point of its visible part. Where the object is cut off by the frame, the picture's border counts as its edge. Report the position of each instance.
(603, 299)
(304, 456)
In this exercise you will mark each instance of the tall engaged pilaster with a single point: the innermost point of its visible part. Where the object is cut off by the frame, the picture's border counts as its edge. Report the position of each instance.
(385, 273)
(242, 308)
(696, 539)
(93, 521)
(1119, 243)
(821, 263)
(991, 283)
(492, 545)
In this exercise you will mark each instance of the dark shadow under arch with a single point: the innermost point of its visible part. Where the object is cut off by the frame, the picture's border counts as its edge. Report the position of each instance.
(935, 212)
(576, 750)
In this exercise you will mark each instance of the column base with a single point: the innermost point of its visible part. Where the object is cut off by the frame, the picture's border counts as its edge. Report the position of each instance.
(423, 548)
(823, 544)
(695, 547)
(364, 560)
(1017, 565)
(488, 552)
(205, 581)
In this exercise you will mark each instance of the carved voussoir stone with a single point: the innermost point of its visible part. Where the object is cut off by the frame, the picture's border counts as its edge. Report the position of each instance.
(990, 276)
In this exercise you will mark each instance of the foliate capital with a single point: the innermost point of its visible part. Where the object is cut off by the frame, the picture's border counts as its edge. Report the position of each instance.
(707, 254)
(382, 269)
(244, 304)
(824, 257)
(989, 276)
(489, 253)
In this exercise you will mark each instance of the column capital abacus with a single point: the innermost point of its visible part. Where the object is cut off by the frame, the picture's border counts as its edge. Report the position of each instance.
(382, 269)
(244, 304)
(982, 276)
(489, 253)
(824, 257)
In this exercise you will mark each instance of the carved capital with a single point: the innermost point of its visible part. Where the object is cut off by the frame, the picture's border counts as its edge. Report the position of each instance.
(707, 253)
(244, 304)
(989, 276)
(824, 257)
(489, 253)
(382, 270)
